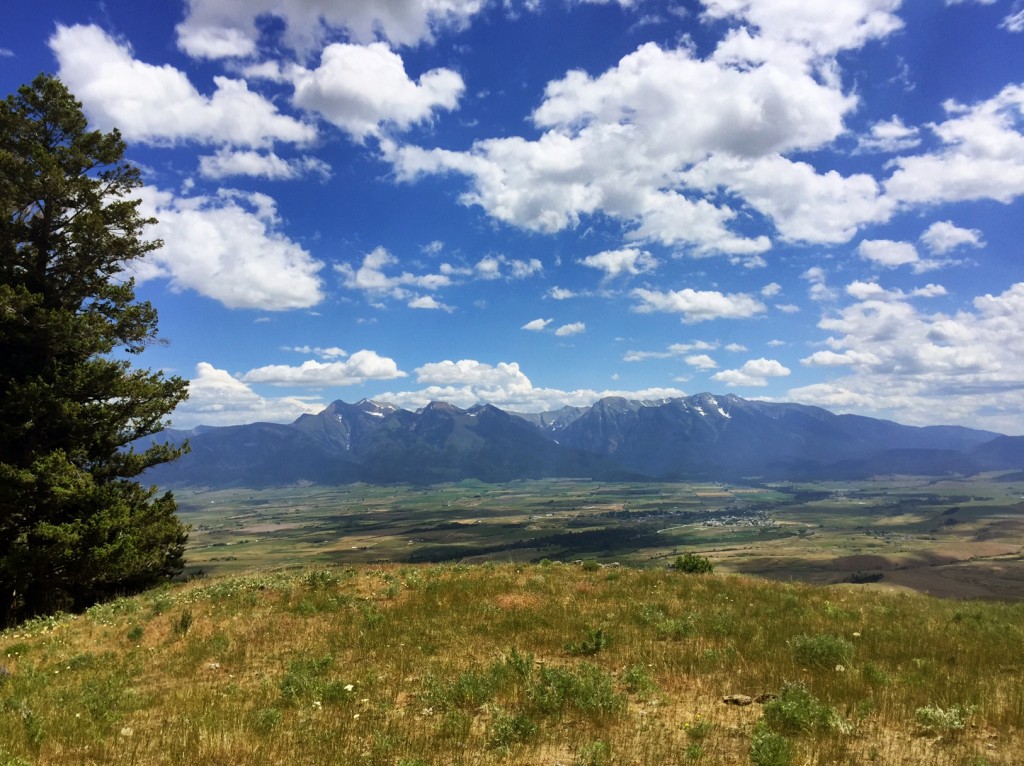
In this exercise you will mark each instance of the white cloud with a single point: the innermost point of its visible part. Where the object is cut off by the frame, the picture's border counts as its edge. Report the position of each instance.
(701, 362)
(942, 237)
(648, 119)
(331, 352)
(771, 289)
(227, 162)
(575, 328)
(889, 136)
(6, 53)
(885, 252)
(536, 325)
(360, 367)
(218, 399)
(371, 277)
(698, 305)
(430, 303)
(361, 88)
(499, 266)
(218, 29)
(561, 293)
(468, 382)
(821, 28)
(819, 290)
(628, 260)
(788, 308)
(1014, 22)
(907, 365)
(804, 205)
(229, 248)
(736, 347)
(755, 372)
(982, 155)
(676, 349)
(158, 104)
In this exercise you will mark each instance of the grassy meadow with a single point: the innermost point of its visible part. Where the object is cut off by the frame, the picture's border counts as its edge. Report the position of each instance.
(951, 537)
(548, 663)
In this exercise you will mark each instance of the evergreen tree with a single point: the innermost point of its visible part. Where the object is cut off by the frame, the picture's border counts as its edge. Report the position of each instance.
(74, 526)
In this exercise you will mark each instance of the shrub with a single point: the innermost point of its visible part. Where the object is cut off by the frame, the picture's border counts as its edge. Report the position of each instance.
(768, 748)
(508, 729)
(597, 753)
(821, 650)
(797, 711)
(587, 688)
(691, 563)
(592, 643)
(935, 718)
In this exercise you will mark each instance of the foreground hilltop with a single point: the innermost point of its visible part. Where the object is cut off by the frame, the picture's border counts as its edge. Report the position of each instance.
(547, 664)
(698, 437)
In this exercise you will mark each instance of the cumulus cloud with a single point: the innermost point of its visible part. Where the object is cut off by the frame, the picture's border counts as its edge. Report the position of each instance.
(755, 372)
(698, 305)
(158, 104)
(701, 362)
(943, 236)
(429, 302)
(821, 29)
(499, 267)
(891, 255)
(648, 119)
(982, 155)
(228, 247)
(628, 260)
(561, 293)
(803, 204)
(218, 29)
(360, 367)
(228, 162)
(372, 278)
(819, 290)
(468, 382)
(889, 136)
(574, 328)
(536, 325)
(907, 364)
(218, 399)
(361, 88)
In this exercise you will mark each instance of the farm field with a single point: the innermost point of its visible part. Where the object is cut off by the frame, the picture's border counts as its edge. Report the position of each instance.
(952, 538)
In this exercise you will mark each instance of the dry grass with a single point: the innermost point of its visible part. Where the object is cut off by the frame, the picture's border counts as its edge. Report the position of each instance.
(409, 666)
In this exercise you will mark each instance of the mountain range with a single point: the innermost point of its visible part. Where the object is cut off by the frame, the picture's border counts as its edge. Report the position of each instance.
(699, 437)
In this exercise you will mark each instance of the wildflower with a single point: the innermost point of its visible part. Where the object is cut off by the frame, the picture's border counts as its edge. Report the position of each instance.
(856, 635)
(349, 687)
(317, 704)
(840, 668)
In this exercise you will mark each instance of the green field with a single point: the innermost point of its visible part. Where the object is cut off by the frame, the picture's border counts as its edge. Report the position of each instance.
(949, 537)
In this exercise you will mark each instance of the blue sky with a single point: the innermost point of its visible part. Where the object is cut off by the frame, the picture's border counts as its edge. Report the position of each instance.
(536, 204)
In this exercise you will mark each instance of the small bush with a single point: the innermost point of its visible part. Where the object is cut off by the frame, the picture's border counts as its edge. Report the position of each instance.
(797, 711)
(587, 688)
(592, 643)
(768, 748)
(821, 650)
(508, 729)
(638, 680)
(183, 623)
(935, 718)
(597, 753)
(691, 563)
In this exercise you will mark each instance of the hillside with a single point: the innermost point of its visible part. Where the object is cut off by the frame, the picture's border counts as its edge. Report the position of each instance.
(702, 437)
(545, 664)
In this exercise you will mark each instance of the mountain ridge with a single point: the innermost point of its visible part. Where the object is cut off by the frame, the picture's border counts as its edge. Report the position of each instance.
(705, 436)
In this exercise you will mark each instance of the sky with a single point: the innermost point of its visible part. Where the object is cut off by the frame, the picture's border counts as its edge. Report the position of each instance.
(536, 203)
